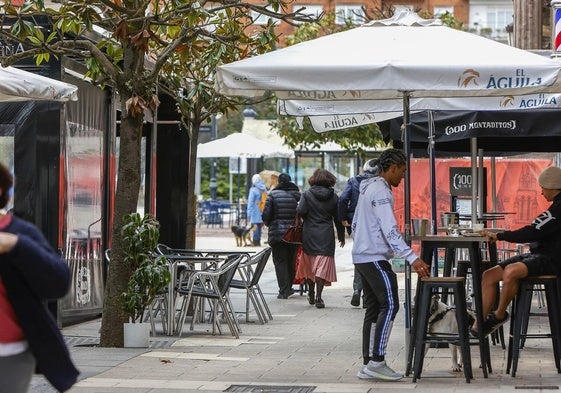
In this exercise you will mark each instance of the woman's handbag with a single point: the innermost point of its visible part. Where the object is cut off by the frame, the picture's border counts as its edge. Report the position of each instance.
(294, 233)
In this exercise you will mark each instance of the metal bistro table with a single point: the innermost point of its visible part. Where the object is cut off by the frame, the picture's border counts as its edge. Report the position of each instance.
(431, 243)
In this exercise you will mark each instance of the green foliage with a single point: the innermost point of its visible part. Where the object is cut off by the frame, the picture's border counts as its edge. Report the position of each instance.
(353, 140)
(150, 272)
(325, 26)
(449, 20)
(222, 180)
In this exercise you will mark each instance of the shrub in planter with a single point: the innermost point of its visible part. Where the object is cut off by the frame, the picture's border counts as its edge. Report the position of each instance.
(150, 273)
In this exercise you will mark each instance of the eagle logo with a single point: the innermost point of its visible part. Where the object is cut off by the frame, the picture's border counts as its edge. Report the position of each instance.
(507, 101)
(468, 76)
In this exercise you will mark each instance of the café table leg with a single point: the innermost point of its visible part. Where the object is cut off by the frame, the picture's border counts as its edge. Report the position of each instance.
(476, 271)
(170, 314)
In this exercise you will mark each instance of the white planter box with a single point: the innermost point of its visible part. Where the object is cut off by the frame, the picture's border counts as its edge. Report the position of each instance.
(136, 335)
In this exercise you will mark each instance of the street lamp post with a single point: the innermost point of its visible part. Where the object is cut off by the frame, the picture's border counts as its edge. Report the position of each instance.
(213, 185)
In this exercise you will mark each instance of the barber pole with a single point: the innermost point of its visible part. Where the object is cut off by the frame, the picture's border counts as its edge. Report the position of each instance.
(556, 39)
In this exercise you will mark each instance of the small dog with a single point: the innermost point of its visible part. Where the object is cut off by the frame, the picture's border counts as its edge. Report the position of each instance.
(242, 236)
(442, 319)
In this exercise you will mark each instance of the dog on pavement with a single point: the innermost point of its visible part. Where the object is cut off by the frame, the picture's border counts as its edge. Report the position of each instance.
(242, 236)
(442, 320)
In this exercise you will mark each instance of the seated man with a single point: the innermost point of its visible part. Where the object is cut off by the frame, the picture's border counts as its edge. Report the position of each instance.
(544, 236)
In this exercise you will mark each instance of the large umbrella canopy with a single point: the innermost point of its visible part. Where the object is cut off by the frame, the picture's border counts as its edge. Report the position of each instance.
(242, 145)
(20, 85)
(382, 59)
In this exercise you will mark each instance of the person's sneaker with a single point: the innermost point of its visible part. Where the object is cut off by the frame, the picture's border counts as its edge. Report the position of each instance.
(382, 372)
(363, 375)
(355, 300)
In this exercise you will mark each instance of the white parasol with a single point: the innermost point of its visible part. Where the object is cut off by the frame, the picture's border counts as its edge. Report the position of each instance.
(20, 85)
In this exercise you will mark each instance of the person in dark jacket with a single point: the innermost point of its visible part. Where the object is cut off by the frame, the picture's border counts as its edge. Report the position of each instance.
(544, 236)
(31, 272)
(278, 215)
(347, 206)
(318, 209)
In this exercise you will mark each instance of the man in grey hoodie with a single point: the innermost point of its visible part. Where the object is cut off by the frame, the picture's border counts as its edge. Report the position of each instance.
(377, 239)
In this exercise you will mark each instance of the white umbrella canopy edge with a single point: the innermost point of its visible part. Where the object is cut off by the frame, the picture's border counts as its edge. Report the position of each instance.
(242, 145)
(20, 85)
(337, 115)
(297, 107)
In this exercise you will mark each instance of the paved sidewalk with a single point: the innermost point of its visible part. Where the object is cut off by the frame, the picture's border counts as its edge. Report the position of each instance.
(303, 349)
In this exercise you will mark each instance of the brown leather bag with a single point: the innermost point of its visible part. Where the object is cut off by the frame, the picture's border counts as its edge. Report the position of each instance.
(294, 233)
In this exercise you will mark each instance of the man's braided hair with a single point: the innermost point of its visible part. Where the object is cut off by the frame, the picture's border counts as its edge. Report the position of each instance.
(381, 164)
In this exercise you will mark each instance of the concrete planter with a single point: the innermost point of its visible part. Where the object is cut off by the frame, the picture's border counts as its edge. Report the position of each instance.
(136, 335)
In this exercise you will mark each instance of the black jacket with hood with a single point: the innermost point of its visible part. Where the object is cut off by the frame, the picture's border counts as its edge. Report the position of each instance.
(318, 208)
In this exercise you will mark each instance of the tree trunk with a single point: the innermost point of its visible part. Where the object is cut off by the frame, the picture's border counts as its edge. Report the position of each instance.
(528, 24)
(191, 197)
(126, 200)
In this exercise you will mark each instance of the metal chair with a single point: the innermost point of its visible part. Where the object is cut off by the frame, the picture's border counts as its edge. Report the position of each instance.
(213, 285)
(250, 271)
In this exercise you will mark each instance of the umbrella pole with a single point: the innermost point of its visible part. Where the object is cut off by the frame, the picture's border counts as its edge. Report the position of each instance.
(407, 202)
(239, 185)
(432, 164)
(474, 180)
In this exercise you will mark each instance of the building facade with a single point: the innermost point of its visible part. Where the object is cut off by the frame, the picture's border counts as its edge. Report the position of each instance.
(486, 17)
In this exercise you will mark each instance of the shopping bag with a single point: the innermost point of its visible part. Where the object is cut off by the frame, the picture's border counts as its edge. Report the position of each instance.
(297, 279)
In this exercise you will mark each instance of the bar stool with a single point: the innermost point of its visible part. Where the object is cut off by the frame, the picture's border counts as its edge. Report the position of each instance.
(520, 311)
(430, 286)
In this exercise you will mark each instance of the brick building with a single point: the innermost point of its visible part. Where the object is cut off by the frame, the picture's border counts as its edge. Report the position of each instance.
(486, 17)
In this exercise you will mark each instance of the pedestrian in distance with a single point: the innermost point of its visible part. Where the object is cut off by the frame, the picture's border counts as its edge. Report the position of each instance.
(278, 215)
(543, 234)
(255, 205)
(347, 206)
(318, 209)
(31, 273)
(376, 240)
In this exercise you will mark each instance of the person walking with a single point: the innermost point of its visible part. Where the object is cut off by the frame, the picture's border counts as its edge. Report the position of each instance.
(318, 209)
(377, 239)
(278, 216)
(255, 205)
(543, 234)
(31, 273)
(347, 205)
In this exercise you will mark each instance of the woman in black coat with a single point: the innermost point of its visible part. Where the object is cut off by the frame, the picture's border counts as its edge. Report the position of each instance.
(318, 208)
(278, 215)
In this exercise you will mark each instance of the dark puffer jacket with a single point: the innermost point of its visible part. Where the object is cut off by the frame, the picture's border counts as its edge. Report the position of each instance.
(280, 210)
(318, 208)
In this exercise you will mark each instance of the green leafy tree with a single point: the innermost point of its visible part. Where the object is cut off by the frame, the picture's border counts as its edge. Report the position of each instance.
(146, 47)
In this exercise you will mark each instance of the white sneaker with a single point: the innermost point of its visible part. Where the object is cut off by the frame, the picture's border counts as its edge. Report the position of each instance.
(363, 375)
(382, 372)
